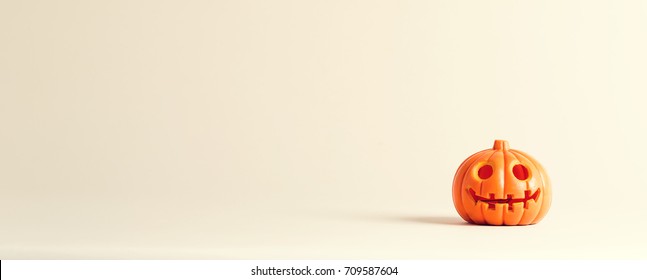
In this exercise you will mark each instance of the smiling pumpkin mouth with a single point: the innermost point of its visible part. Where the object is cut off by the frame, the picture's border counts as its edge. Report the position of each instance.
(491, 201)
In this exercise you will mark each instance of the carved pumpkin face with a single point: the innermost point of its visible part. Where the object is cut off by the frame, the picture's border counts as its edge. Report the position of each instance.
(500, 186)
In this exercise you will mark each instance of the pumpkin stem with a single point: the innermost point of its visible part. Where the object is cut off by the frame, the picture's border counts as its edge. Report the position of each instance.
(501, 145)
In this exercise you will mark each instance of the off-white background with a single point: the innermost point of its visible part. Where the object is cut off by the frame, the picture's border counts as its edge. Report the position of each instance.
(315, 129)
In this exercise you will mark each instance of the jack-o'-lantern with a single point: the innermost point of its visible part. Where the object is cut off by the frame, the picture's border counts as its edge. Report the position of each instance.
(501, 186)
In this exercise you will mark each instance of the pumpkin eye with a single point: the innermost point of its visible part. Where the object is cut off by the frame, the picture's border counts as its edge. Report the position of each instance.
(485, 172)
(520, 172)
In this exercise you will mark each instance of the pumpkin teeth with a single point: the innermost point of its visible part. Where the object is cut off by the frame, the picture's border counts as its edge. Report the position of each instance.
(510, 200)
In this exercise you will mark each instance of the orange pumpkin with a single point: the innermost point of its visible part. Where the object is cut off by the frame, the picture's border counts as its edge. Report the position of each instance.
(500, 186)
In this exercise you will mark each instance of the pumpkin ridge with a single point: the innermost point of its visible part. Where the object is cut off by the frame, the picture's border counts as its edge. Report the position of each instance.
(508, 162)
(481, 187)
